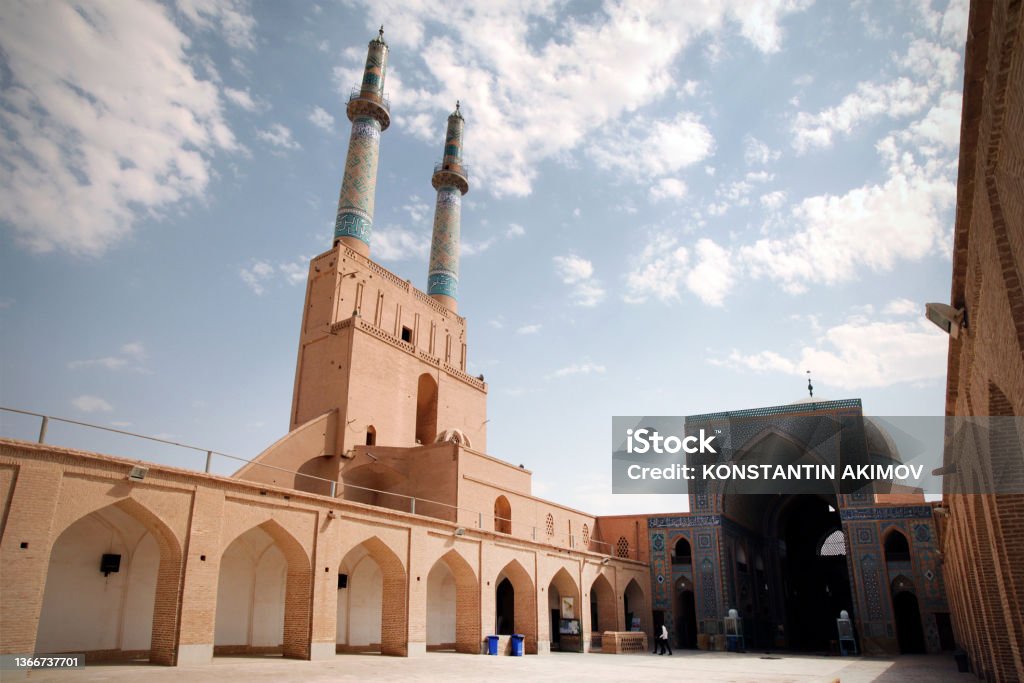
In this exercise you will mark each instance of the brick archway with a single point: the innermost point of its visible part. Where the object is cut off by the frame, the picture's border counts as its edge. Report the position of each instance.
(525, 602)
(393, 639)
(297, 607)
(466, 601)
(166, 593)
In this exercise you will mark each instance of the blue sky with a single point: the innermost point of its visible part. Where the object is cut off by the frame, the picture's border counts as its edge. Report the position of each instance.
(675, 208)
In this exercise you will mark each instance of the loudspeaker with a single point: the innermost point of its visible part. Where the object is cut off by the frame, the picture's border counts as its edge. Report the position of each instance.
(342, 581)
(110, 564)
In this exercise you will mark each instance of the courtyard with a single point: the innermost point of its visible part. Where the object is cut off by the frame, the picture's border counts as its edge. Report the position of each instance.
(684, 665)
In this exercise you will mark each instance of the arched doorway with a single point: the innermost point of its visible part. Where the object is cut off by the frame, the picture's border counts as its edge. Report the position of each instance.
(105, 573)
(602, 609)
(426, 409)
(907, 612)
(515, 609)
(816, 580)
(453, 606)
(686, 614)
(564, 607)
(263, 592)
(371, 614)
(634, 607)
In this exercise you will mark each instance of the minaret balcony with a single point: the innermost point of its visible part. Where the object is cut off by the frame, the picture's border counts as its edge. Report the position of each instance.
(370, 103)
(451, 174)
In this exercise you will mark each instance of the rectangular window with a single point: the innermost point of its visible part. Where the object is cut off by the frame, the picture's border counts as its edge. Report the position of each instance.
(406, 334)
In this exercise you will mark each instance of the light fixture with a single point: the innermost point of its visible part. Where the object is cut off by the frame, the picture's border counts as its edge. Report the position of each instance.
(460, 531)
(606, 560)
(330, 514)
(950, 320)
(138, 473)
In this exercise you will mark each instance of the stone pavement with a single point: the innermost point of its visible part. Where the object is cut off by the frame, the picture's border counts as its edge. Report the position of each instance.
(450, 667)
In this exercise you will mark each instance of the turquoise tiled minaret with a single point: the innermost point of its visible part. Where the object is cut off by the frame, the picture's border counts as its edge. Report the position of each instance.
(368, 112)
(451, 180)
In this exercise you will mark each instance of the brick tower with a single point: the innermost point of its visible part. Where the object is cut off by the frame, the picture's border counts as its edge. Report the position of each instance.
(451, 182)
(368, 111)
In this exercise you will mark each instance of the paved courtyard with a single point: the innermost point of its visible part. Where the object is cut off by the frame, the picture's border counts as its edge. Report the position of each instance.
(691, 666)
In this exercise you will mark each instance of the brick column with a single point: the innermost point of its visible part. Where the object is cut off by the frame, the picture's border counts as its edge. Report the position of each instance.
(23, 569)
(202, 571)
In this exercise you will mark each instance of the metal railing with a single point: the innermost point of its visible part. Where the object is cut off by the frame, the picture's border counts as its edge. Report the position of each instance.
(377, 98)
(460, 169)
(362, 494)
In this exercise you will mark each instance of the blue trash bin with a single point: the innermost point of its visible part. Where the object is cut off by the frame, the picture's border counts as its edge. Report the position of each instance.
(492, 645)
(517, 644)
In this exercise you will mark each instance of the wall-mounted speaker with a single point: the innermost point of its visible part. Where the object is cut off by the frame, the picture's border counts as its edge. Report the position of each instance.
(110, 563)
(342, 581)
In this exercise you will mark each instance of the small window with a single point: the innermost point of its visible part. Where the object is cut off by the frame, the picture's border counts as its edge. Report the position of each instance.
(741, 560)
(371, 436)
(896, 547)
(586, 536)
(834, 545)
(549, 524)
(681, 554)
(407, 334)
(622, 547)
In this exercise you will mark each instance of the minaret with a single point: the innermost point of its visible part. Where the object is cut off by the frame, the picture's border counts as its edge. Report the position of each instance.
(368, 112)
(451, 182)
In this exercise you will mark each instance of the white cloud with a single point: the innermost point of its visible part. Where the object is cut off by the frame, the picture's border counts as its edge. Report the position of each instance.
(261, 273)
(586, 368)
(131, 356)
(773, 200)
(713, 276)
(398, 244)
(321, 119)
(256, 275)
(579, 273)
(932, 68)
(757, 153)
(573, 269)
(871, 227)
(242, 98)
(91, 404)
(489, 57)
(668, 188)
(278, 135)
(232, 18)
(658, 272)
(664, 267)
(681, 142)
(859, 354)
(515, 230)
(529, 329)
(902, 307)
(113, 125)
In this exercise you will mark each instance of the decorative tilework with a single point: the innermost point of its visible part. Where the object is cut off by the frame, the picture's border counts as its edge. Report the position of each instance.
(443, 275)
(922, 533)
(709, 591)
(865, 535)
(902, 512)
(683, 521)
(704, 541)
(872, 588)
(356, 202)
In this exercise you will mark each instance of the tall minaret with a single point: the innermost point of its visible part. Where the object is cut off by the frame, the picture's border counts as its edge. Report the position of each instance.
(368, 112)
(451, 182)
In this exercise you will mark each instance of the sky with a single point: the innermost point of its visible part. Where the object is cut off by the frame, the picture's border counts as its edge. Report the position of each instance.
(675, 208)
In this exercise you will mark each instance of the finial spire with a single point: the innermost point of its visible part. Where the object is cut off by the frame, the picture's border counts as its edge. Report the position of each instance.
(810, 387)
(380, 33)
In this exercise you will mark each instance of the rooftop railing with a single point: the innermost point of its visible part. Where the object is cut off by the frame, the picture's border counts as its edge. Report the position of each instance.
(378, 98)
(461, 169)
(464, 517)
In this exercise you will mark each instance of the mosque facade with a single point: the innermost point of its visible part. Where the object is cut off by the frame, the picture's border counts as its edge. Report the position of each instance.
(379, 523)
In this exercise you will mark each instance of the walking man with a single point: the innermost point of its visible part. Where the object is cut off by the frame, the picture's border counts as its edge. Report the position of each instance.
(663, 641)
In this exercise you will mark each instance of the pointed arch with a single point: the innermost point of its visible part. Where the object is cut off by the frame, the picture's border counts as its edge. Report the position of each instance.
(634, 605)
(523, 602)
(897, 547)
(603, 613)
(458, 605)
(426, 409)
(148, 581)
(502, 515)
(561, 587)
(376, 592)
(272, 565)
